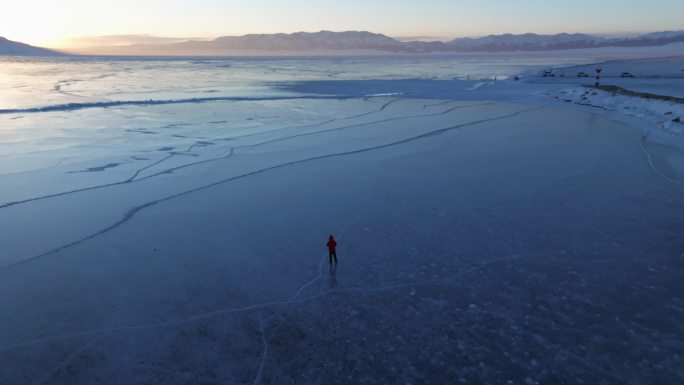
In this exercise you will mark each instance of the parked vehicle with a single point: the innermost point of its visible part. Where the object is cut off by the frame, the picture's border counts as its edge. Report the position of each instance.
(626, 75)
(582, 75)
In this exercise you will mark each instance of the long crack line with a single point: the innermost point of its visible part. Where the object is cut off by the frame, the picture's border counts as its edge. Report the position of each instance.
(260, 306)
(135, 210)
(264, 355)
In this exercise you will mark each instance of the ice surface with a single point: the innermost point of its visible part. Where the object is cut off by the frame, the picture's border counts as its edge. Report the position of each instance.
(487, 234)
(657, 79)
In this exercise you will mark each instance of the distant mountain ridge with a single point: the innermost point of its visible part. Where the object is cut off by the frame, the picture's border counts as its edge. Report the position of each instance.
(311, 41)
(279, 44)
(561, 41)
(357, 42)
(362, 41)
(14, 48)
(525, 42)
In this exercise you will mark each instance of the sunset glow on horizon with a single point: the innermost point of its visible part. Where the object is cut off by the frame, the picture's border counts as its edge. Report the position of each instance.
(66, 23)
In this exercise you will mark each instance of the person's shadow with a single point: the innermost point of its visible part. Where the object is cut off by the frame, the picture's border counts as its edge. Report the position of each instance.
(332, 276)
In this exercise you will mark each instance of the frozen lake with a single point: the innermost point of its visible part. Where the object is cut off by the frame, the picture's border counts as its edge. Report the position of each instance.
(164, 222)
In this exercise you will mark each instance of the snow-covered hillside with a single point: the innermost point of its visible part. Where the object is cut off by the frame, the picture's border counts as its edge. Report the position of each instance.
(13, 48)
(562, 41)
(363, 42)
(323, 40)
(525, 41)
(276, 44)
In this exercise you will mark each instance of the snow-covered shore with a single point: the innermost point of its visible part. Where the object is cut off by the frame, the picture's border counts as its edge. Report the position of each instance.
(648, 84)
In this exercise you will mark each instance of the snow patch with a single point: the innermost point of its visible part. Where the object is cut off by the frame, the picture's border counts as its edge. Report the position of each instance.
(665, 115)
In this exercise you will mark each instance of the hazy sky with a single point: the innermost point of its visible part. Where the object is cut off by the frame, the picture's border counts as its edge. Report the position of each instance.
(54, 22)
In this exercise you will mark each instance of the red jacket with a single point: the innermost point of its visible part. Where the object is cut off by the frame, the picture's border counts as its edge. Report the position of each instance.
(331, 243)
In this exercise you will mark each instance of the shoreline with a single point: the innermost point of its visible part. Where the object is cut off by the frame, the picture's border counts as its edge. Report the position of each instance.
(646, 99)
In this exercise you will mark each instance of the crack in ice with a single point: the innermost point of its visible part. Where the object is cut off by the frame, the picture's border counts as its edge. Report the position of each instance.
(320, 267)
(651, 163)
(156, 102)
(260, 306)
(62, 364)
(135, 210)
(168, 171)
(257, 380)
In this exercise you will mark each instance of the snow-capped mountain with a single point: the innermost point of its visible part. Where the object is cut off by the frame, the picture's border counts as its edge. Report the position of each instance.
(663, 35)
(650, 39)
(278, 44)
(368, 43)
(324, 40)
(13, 48)
(300, 43)
(562, 41)
(362, 40)
(528, 41)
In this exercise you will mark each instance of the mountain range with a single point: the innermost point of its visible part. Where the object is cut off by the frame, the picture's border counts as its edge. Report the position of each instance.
(359, 42)
(561, 41)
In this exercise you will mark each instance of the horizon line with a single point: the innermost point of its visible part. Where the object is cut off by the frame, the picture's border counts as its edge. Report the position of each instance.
(402, 38)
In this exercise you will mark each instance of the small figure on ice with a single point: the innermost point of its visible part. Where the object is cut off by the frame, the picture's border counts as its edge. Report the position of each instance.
(332, 244)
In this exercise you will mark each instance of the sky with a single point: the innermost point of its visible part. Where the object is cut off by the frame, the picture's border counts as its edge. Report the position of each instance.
(65, 23)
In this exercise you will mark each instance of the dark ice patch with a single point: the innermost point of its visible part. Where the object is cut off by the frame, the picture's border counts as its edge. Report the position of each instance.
(140, 131)
(96, 169)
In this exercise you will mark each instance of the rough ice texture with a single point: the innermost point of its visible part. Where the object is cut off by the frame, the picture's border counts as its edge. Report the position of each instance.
(481, 240)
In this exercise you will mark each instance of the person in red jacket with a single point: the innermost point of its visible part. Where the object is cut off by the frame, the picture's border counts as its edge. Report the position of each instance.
(332, 244)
